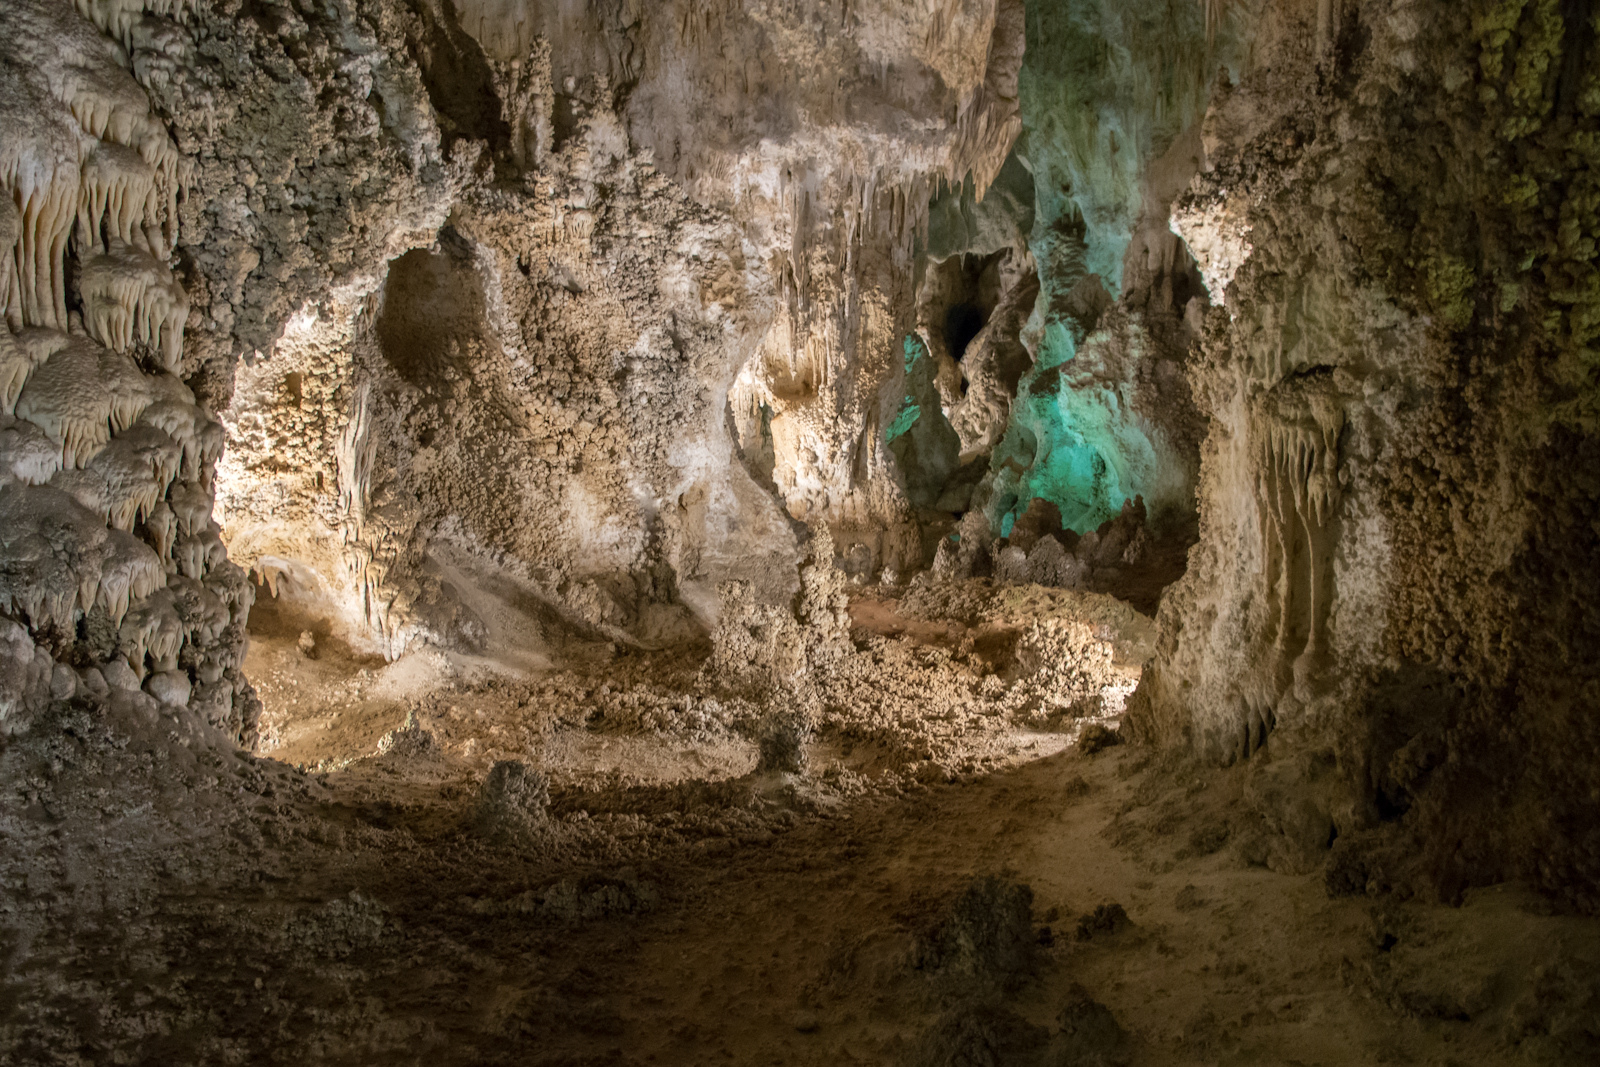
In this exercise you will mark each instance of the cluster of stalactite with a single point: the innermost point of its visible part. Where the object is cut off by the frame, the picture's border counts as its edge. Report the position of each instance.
(113, 576)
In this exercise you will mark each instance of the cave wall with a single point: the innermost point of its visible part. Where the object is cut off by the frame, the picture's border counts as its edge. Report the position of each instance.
(1391, 607)
(635, 203)
(114, 582)
(472, 302)
(638, 209)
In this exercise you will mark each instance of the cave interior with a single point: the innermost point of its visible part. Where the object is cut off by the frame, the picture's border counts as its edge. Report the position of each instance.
(1007, 532)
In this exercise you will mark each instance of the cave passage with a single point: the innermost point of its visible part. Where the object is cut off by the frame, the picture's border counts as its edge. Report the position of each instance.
(1037, 533)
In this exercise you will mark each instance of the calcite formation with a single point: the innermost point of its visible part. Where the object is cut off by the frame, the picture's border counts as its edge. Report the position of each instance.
(99, 432)
(493, 325)
(1397, 478)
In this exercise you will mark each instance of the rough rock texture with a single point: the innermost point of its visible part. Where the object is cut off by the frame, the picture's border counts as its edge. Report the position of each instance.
(1395, 574)
(111, 567)
(508, 358)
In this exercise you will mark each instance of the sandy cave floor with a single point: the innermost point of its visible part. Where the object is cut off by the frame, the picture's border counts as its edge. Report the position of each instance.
(680, 906)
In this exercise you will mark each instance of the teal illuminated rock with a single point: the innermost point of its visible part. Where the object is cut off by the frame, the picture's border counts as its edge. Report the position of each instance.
(924, 444)
(1106, 87)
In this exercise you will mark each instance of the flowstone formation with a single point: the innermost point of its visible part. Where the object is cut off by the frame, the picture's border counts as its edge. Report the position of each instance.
(1391, 604)
(115, 588)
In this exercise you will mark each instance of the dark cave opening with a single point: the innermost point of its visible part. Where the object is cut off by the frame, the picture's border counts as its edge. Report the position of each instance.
(962, 323)
(432, 302)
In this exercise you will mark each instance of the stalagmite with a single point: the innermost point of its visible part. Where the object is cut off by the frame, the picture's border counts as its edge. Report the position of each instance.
(128, 296)
(68, 400)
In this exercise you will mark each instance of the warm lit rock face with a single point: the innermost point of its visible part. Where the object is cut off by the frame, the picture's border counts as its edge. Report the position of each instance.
(471, 297)
(1396, 573)
(632, 232)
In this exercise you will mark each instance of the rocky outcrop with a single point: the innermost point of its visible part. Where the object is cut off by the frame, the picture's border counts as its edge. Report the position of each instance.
(1389, 602)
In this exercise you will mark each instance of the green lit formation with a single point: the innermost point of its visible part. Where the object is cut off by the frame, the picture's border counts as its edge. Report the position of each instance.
(910, 410)
(924, 447)
(1106, 86)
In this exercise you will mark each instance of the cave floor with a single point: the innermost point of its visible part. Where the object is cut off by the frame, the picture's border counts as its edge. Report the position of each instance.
(679, 905)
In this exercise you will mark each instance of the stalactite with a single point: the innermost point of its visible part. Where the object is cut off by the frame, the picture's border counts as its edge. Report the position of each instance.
(191, 505)
(199, 552)
(39, 174)
(89, 489)
(354, 455)
(152, 627)
(1297, 455)
(10, 235)
(118, 197)
(131, 572)
(160, 52)
(139, 467)
(27, 456)
(204, 614)
(200, 438)
(117, 18)
(17, 364)
(90, 188)
(161, 529)
(130, 389)
(65, 81)
(67, 399)
(129, 295)
(54, 551)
